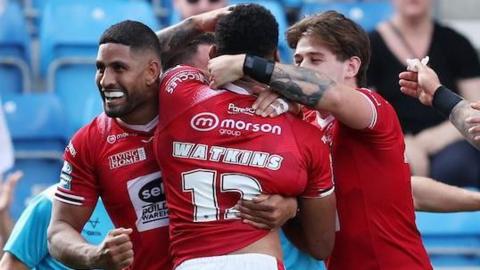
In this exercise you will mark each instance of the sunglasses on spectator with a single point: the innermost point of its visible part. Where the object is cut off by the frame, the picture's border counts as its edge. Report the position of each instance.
(196, 1)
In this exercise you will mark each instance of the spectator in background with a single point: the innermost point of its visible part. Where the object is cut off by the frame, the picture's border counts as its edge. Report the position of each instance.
(27, 246)
(425, 85)
(434, 147)
(6, 148)
(187, 8)
(7, 189)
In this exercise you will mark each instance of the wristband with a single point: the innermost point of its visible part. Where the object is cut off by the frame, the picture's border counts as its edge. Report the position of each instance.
(444, 100)
(258, 68)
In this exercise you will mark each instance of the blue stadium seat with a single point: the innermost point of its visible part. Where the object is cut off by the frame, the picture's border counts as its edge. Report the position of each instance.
(14, 50)
(36, 123)
(69, 35)
(452, 240)
(292, 3)
(366, 14)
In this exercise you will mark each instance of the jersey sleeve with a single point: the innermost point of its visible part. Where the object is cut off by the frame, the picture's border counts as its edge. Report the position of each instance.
(319, 165)
(78, 183)
(180, 88)
(28, 240)
(384, 116)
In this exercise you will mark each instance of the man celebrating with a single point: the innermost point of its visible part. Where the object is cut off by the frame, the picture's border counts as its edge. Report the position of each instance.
(374, 197)
(112, 157)
(214, 150)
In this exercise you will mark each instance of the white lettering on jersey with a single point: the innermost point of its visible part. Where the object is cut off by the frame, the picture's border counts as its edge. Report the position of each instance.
(71, 149)
(227, 155)
(66, 176)
(127, 158)
(187, 75)
(233, 109)
(216, 152)
(147, 195)
(200, 152)
(274, 162)
(259, 159)
(182, 149)
(111, 139)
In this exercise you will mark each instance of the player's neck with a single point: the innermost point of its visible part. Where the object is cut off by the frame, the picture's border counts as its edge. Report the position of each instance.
(142, 127)
(140, 116)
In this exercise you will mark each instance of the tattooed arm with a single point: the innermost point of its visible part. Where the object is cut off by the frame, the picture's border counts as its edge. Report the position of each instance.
(177, 36)
(467, 120)
(306, 86)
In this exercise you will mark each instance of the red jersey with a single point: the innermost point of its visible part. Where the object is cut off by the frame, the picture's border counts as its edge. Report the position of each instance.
(374, 196)
(117, 163)
(213, 150)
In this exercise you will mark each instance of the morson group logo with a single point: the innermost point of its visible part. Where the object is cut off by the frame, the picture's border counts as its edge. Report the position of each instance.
(207, 121)
(204, 121)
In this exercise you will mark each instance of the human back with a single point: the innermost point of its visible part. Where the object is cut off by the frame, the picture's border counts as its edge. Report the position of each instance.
(214, 150)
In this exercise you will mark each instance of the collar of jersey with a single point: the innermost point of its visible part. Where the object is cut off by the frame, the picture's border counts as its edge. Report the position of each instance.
(141, 128)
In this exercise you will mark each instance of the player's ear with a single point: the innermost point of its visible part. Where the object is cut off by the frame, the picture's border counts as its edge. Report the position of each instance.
(352, 66)
(212, 53)
(153, 72)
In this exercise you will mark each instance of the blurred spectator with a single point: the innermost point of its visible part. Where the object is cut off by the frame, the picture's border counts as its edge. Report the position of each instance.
(6, 149)
(7, 189)
(434, 147)
(187, 8)
(27, 246)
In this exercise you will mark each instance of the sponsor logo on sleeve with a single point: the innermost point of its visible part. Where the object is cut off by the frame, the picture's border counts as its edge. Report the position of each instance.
(65, 176)
(127, 158)
(147, 195)
(71, 149)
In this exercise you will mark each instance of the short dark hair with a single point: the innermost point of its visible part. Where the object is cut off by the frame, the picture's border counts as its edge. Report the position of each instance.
(184, 55)
(249, 28)
(339, 34)
(134, 34)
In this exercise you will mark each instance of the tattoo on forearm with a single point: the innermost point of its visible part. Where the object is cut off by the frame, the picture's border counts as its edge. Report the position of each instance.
(300, 84)
(176, 37)
(460, 112)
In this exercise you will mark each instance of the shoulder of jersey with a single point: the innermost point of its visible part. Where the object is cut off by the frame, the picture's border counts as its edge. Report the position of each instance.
(100, 126)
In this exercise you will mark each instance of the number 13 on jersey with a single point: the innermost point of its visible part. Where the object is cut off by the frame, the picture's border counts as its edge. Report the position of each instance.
(202, 184)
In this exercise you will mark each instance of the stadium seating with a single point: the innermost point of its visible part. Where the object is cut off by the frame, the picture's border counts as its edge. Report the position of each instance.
(68, 50)
(367, 14)
(14, 49)
(36, 123)
(452, 240)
